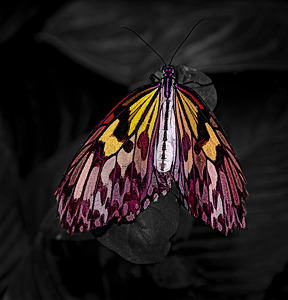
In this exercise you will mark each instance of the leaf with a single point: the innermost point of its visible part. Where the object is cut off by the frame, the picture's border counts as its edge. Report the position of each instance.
(146, 240)
(39, 186)
(54, 269)
(280, 285)
(234, 37)
(14, 243)
(14, 18)
(177, 272)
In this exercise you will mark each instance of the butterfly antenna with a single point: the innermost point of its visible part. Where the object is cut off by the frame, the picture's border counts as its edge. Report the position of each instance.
(185, 39)
(145, 43)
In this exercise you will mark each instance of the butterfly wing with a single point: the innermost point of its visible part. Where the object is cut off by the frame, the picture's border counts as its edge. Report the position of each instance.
(209, 177)
(112, 175)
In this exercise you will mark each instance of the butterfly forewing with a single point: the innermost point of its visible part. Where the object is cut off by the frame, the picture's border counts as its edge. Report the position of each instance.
(112, 176)
(209, 177)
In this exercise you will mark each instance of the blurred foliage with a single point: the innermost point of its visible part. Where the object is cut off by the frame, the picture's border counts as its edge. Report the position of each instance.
(14, 239)
(64, 66)
(235, 36)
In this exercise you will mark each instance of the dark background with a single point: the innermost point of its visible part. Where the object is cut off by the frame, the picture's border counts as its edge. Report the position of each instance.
(64, 65)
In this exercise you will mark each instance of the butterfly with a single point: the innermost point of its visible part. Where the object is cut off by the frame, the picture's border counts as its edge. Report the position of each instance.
(160, 133)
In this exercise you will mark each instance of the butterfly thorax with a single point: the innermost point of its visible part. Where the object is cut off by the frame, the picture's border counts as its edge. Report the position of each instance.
(164, 154)
(167, 79)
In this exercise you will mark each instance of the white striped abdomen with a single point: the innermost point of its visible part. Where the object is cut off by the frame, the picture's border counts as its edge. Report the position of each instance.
(164, 151)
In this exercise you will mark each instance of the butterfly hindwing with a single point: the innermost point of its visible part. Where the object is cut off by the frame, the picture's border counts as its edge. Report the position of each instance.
(112, 175)
(209, 177)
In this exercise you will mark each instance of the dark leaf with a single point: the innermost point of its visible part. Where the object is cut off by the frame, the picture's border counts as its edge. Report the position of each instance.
(146, 240)
(38, 195)
(14, 17)
(57, 269)
(234, 37)
(280, 285)
(14, 243)
(177, 272)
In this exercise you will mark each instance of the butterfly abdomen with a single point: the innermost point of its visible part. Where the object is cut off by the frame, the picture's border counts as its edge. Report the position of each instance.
(164, 154)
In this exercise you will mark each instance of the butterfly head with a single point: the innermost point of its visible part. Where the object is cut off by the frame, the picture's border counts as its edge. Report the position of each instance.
(168, 71)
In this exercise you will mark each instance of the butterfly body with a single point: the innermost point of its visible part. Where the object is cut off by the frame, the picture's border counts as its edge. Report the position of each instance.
(164, 152)
(159, 133)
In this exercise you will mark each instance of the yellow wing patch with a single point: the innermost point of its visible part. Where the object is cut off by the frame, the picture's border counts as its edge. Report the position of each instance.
(188, 112)
(210, 147)
(184, 129)
(137, 110)
(149, 121)
(190, 107)
(112, 144)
